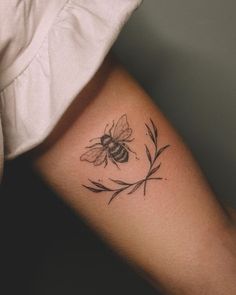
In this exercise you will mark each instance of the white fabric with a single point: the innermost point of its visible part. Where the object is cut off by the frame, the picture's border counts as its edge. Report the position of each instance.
(49, 51)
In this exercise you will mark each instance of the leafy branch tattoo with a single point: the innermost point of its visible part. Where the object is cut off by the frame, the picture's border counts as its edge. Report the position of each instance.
(121, 185)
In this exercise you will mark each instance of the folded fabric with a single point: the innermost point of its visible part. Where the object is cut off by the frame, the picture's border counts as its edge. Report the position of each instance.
(52, 55)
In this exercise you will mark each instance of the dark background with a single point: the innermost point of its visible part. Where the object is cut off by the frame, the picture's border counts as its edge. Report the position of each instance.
(183, 53)
(47, 250)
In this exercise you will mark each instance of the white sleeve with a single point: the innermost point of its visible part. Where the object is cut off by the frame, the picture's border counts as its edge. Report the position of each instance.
(67, 46)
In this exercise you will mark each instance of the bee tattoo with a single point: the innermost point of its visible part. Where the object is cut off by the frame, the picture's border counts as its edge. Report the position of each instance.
(112, 145)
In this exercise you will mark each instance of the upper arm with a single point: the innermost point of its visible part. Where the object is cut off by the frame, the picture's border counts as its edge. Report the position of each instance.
(161, 218)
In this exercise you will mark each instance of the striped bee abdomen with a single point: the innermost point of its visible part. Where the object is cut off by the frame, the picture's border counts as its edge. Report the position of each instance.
(118, 152)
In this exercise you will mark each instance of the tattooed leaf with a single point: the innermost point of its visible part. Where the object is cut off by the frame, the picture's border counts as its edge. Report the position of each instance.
(136, 187)
(150, 133)
(161, 150)
(154, 129)
(114, 195)
(97, 184)
(154, 170)
(148, 154)
(121, 182)
(94, 190)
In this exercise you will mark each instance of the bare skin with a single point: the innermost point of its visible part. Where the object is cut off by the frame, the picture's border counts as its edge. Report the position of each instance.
(171, 229)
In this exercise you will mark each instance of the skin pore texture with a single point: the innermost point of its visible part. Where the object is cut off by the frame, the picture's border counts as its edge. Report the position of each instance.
(118, 162)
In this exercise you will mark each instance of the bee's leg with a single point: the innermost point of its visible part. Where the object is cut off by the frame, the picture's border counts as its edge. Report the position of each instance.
(93, 145)
(106, 162)
(129, 149)
(114, 162)
(94, 139)
(129, 140)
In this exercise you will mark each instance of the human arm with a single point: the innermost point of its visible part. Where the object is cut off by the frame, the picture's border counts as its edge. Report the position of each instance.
(177, 234)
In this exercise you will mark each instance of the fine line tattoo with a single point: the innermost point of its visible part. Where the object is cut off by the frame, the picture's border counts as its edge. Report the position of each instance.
(112, 145)
(131, 187)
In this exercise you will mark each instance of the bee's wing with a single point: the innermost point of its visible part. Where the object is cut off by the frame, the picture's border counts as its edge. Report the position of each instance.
(125, 134)
(101, 158)
(93, 155)
(121, 126)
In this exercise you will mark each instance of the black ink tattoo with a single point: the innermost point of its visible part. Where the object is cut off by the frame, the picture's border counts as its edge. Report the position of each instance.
(112, 145)
(131, 187)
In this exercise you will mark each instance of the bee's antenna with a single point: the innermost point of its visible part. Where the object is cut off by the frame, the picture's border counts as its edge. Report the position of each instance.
(106, 128)
(111, 127)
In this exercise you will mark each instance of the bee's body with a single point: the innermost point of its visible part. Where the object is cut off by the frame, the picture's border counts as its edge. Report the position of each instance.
(111, 145)
(115, 150)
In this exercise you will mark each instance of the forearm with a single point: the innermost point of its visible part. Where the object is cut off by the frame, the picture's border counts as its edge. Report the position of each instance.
(170, 227)
(211, 271)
